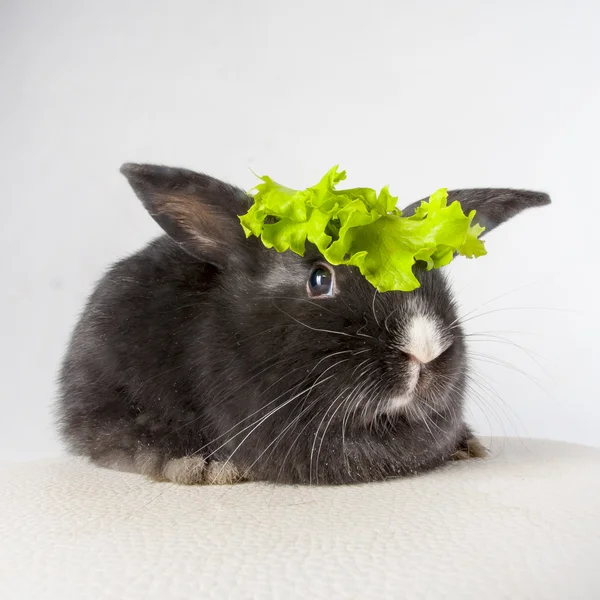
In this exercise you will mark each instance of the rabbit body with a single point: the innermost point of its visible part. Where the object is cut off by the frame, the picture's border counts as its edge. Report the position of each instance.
(207, 358)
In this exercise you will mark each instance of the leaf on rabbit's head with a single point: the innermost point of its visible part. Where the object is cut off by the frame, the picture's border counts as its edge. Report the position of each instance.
(361, 228)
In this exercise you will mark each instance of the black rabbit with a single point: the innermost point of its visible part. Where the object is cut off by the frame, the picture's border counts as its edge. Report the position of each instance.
(207, 358)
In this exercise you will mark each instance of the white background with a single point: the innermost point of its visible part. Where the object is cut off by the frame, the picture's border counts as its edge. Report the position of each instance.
(416, 94)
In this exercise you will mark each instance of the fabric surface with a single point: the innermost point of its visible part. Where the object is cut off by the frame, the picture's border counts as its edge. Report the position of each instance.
(522, 524)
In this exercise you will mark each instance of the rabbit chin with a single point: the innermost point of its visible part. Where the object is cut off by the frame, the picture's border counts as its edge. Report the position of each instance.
(404, 397)
(398, 402)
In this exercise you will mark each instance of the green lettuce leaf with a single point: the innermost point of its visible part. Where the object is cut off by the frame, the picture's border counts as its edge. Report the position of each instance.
(361, 228)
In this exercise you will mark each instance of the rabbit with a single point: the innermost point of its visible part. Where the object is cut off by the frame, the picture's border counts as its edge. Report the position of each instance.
(206, 358)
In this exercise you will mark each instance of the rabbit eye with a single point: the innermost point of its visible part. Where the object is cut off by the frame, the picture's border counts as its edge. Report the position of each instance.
(320, 282)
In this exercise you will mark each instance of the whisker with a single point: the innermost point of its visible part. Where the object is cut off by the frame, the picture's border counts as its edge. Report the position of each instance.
(319, 305)
(373, 307)
(274, 399)
(316, 435)
(296, 421)
(272, 412)
(497, 310)
(502, 363)
(490, 302)
(484, 386)
(319, 329)
(340, 404)
(495, 339)
(280, 436)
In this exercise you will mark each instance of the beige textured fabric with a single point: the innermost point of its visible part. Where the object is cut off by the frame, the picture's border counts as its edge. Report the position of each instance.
(523, 524)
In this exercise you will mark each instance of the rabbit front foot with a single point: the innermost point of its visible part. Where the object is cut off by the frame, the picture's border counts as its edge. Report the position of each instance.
(187, 470)
(470, 448)
(192, 470)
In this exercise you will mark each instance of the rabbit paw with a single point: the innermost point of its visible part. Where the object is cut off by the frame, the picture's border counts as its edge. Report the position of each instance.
(470, 448)
(190, 470)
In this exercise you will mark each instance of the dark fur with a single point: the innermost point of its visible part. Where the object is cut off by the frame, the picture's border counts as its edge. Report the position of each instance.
(186, 345)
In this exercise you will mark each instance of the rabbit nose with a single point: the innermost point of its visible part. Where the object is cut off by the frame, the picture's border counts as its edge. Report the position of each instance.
(424, 340)
(413, 359)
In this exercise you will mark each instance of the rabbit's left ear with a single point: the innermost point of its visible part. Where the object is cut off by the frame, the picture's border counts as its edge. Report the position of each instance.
(493, 206)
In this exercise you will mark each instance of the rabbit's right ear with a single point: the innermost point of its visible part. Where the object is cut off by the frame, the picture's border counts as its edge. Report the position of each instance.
(197, 211)
(492, 206)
